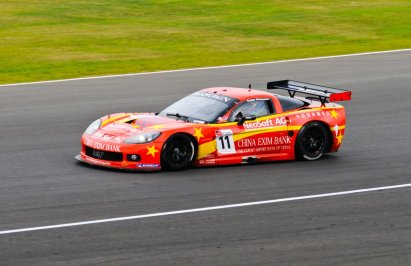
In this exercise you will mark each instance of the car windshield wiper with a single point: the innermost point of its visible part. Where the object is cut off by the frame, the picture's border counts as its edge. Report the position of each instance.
(181, 117)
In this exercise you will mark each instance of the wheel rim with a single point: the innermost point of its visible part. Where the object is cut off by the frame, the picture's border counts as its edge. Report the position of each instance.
(313, 141)
(179, 152)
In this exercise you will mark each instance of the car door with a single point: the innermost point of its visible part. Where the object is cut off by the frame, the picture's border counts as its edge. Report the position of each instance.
(254, 135)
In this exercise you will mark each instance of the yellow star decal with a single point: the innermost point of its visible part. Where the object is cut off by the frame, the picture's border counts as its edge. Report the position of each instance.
(198, 134)
(157, 126)
(339, 138)
(334, 114)
(152, 150)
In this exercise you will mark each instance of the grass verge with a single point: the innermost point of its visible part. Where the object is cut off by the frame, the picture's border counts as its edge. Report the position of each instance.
(44, 39)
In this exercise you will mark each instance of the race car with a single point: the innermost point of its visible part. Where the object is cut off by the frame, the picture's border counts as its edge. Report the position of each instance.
(222, 126)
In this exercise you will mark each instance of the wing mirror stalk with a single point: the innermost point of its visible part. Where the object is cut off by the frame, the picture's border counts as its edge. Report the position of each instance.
(242, 119)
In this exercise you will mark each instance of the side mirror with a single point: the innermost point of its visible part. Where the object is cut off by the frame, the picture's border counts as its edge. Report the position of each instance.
(241, 119)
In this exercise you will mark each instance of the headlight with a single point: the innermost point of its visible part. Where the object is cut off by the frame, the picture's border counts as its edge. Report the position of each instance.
(93, 127)
(143, 137)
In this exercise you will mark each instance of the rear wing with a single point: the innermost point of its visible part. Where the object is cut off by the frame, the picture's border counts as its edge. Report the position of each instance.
(323, 93)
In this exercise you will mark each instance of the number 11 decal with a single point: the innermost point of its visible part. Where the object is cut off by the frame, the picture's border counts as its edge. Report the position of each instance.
(225, 141)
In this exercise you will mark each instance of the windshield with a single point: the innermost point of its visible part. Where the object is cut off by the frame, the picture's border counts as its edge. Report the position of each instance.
(200, 107)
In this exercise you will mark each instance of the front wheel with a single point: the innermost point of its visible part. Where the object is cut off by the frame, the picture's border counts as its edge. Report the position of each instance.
(177, 153)
(312, 141)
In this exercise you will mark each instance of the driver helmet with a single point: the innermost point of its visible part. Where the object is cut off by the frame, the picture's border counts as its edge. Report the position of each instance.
(256, 108)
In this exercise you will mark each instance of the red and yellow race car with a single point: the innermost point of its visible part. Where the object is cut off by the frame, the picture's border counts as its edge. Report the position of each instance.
(222, 126)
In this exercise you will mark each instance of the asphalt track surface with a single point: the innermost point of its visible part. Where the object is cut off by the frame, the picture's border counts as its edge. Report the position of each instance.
(42, 184)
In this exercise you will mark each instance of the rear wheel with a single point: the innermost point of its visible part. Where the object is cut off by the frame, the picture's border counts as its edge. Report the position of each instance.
(178, 152)
(312, 141)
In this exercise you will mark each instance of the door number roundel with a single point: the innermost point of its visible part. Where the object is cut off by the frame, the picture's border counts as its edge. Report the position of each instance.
(225, 141)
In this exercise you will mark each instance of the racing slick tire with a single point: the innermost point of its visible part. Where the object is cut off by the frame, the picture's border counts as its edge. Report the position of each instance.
(312, 141)
(177, 153)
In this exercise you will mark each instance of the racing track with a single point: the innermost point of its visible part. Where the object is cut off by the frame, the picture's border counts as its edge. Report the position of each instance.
(42, 184)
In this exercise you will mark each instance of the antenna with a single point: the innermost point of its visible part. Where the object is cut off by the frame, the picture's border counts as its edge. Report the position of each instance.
(249, 87)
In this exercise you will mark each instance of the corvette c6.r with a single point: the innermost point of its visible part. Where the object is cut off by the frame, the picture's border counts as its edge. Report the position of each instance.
(221, 126)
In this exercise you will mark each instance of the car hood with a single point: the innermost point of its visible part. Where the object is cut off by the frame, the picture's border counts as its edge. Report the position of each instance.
(117, 128)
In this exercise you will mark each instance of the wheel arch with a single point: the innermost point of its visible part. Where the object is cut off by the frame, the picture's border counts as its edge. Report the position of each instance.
(195, 142)
(327, 129)
(330, 135)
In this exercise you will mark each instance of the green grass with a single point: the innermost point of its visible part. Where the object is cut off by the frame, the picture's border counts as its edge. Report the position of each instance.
(45, 39)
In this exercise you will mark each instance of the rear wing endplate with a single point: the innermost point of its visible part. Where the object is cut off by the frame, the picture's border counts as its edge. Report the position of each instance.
(323, 93)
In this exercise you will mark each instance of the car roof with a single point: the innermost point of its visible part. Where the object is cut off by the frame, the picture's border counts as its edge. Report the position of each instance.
(238, 93)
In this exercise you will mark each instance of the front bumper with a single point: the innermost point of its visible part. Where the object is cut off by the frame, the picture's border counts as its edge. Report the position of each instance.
(115, 165)
(145, 157)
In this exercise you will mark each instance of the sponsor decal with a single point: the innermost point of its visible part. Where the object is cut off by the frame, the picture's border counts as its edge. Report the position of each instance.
(96, 161)
(248, 150)
(263, 141)
(258, 99)
(148, 165)
(98, 154)
(273, 148)
(278, 121)
(314, 114)
(209, 161)
(123, 126)
(214, 96)
(259, 124)
(102, 146)
(282, 140)
(246, 143)
(107, 137)
(277, 148)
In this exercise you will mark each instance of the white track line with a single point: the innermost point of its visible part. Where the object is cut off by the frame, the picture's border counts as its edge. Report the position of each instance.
(205, 68)
(333, 194)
